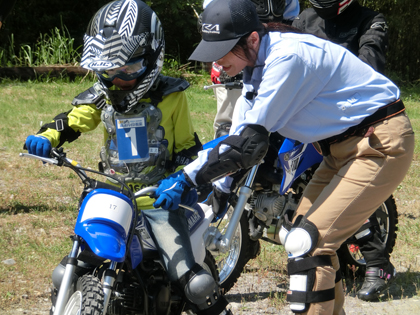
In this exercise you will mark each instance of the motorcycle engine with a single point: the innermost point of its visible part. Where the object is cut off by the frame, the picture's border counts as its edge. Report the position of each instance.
(129, 296)
(267, 206)
(128, 299)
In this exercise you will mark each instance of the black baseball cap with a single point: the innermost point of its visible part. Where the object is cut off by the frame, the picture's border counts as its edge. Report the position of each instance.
(224, 22)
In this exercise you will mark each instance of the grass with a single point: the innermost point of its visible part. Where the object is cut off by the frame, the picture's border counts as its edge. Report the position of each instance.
(38, 202)
(50, 49)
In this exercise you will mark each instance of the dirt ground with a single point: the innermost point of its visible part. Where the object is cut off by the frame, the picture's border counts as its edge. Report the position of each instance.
(248, 299)
(253, 294)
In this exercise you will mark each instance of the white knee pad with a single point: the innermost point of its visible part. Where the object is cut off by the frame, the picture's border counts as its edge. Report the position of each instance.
(300, 241)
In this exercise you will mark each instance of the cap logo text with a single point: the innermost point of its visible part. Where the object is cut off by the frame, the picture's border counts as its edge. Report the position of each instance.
(211, 28)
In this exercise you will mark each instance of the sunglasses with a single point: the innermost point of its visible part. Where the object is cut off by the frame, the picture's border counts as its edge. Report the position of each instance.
(128, 72)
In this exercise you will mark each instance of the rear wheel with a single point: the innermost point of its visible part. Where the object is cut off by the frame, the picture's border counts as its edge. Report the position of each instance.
(352, 261)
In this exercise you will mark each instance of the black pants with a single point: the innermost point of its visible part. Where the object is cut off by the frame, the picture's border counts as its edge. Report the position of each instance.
(374, 248)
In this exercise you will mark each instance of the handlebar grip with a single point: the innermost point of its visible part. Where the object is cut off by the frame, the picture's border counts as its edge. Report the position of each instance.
(97, 184)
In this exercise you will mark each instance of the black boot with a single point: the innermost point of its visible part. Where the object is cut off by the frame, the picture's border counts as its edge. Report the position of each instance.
(376, 281)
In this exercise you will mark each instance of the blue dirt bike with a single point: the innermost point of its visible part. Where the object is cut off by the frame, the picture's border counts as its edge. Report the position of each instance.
(266, 197)
(114, 266)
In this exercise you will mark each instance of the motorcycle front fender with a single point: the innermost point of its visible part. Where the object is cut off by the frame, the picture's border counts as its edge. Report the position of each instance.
(198, 229)
(104, 221)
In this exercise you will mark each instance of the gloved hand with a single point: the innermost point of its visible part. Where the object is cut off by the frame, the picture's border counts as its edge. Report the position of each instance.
(218, 200)
(171, 191)
(38, 145)
(190, 198)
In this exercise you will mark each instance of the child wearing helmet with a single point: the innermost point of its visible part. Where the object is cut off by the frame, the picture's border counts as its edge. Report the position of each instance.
(363, 32)
(124, 45)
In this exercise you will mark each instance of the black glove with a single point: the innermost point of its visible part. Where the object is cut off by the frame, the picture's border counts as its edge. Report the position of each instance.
(218, 200)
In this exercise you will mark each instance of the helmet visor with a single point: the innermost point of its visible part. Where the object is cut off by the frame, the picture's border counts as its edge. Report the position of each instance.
(128, 72)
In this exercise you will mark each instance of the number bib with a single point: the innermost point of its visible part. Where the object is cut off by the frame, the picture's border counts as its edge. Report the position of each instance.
(132, 144)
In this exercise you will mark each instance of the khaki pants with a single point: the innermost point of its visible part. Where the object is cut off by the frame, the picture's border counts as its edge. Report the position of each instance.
(349, 185)
(226, 101)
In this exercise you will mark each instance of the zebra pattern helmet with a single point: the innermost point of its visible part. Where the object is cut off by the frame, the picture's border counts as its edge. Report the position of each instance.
(328, 9)
(120, 32)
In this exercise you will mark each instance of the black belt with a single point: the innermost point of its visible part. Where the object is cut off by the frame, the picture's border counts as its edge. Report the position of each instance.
(360, 130)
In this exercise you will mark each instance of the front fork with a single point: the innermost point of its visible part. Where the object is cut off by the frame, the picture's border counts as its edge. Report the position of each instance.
(109, 279)
(217, 242)
(71, 265)
(66, 282)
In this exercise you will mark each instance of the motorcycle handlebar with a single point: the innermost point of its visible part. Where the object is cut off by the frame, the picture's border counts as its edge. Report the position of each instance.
(43, 159)
(235, 85)
(145, 191)
(60, 159)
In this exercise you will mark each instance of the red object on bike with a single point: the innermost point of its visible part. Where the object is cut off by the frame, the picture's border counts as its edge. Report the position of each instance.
(215, 73)
(354, 248)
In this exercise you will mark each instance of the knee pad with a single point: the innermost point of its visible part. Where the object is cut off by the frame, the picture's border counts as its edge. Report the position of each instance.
(201, 289)
(300, 241)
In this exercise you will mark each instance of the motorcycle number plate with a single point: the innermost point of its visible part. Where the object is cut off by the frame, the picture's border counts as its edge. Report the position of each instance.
(132, 144)
(108, 208)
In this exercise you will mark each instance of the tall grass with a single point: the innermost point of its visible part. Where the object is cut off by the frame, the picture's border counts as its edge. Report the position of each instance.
(56, 48)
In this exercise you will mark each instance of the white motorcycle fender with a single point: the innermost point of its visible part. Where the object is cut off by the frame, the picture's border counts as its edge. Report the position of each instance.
(197, 240)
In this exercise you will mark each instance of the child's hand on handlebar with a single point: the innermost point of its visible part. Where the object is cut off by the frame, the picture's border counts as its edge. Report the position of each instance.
(172, 191)
(38, 145)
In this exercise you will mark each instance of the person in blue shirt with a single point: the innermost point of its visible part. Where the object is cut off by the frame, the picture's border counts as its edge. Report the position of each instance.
(313, 91)
(284, 11)
(364, 32)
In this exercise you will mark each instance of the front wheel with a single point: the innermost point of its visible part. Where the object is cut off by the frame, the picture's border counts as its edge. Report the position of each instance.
(351, 258)
(242, 249)
(88, 299)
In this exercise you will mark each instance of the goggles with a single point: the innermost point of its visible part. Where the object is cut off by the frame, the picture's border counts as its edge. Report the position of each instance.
(128, 72)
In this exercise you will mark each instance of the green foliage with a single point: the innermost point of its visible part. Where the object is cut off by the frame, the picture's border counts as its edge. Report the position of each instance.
(404, 28)
(31, 18)
(55, 49)
(179, 21)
